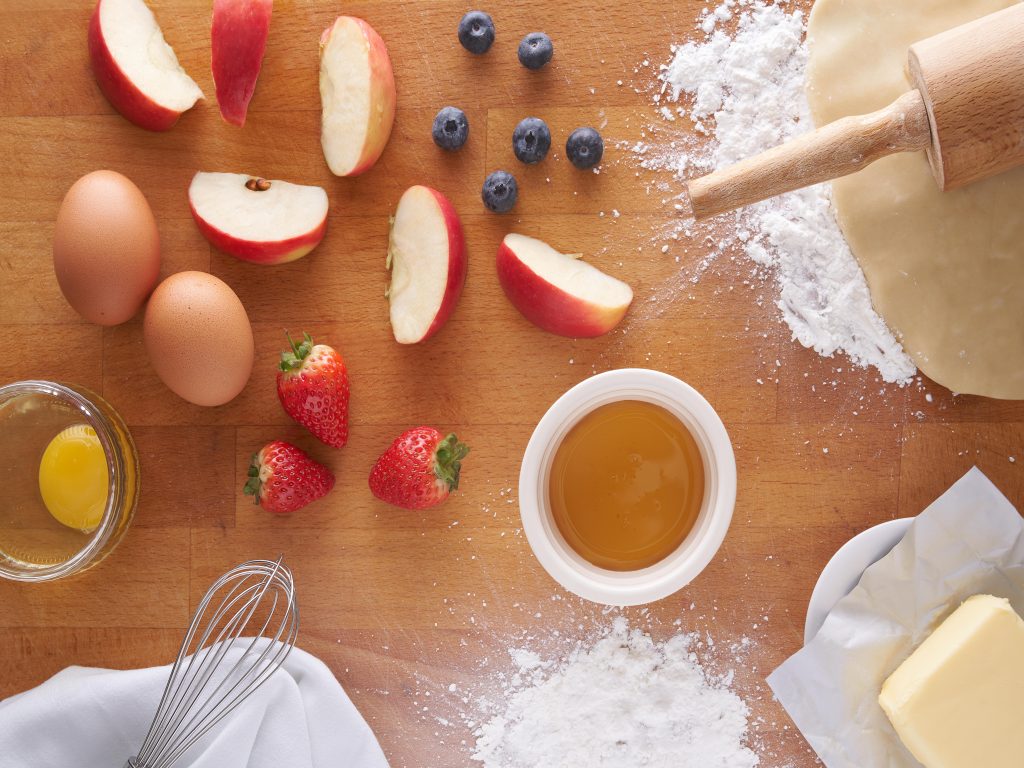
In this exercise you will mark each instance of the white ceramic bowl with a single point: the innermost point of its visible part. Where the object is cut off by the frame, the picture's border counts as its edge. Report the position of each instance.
(682, 566)
(843, 571)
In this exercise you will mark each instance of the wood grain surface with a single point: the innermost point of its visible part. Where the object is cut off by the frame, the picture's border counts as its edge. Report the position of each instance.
(401, 605)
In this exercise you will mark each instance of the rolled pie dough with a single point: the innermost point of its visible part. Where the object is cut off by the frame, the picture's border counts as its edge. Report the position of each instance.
(945, 269)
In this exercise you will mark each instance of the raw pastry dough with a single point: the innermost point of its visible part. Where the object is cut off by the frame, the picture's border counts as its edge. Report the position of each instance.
(946, 270)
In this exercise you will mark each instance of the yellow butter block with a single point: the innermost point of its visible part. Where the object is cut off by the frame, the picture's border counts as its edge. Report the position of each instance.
(958, 701)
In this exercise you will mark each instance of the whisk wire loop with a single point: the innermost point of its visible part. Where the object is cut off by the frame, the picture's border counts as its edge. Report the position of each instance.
(192, 684)
(204, 685)
(183, 687)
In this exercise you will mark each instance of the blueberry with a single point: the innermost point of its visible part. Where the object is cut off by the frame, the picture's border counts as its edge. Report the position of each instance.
(531, 140)
(451, 128)
(476, 32)
(584, 148)
(500, 192)
(535, 50)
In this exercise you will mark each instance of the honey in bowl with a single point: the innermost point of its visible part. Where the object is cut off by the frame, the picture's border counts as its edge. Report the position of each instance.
(626, 485)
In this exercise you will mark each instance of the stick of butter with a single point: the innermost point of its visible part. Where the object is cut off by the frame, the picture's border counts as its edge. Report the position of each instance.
(957, 701)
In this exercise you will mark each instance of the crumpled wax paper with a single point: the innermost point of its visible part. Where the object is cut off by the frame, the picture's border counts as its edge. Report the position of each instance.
(969, 541)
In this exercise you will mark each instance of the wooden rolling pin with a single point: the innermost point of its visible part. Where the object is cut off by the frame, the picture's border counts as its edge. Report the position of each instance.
(966, 110)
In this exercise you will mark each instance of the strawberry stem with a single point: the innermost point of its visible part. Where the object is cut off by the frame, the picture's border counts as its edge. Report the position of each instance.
(253, 485)
(293, 359)
(448, 461)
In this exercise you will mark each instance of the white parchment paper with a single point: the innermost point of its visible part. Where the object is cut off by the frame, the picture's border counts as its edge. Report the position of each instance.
(969, 541)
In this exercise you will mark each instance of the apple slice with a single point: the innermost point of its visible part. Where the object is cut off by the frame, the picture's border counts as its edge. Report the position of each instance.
(559, 293)
(135, 67)
(357, 91)
(238, 39)
(258, 220)
(427, 259)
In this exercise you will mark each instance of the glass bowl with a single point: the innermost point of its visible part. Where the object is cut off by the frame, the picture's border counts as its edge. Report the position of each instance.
(34, 545)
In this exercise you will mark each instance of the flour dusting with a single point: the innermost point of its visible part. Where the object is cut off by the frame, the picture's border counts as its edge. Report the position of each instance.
(742, 90)
(626, 700)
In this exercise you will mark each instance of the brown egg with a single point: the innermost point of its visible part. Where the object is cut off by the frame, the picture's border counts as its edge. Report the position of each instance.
(198, 338)
(106, 250)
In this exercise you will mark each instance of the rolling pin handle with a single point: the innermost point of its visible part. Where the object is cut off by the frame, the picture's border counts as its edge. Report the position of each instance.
(838, 149)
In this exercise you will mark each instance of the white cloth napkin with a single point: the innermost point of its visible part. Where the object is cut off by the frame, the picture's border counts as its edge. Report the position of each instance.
(97, 718)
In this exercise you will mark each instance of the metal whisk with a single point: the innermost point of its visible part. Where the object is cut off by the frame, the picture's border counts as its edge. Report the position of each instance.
(257, 599)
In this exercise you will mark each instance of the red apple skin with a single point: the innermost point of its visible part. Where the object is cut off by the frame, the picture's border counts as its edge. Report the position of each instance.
(280, 252)
(382, 77)
(458, 264)
(549, 307)
(238, 38)
(119, 90)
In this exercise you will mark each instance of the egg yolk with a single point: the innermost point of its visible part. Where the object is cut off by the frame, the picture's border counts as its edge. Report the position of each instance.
(73, 478)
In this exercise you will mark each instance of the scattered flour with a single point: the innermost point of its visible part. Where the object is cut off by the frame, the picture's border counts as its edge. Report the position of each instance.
(743, 92)
(624, 701)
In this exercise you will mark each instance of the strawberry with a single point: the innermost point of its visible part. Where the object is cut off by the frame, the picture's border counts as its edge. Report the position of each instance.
(419, 470)
(283, 478)
(312, 385)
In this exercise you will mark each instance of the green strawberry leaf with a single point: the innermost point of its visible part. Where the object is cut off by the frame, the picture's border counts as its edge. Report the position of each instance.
(448, 458)
(293, 359)
(253, 484)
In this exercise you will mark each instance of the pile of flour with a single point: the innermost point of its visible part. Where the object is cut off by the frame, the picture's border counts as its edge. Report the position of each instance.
(743, 92)
(623, 701)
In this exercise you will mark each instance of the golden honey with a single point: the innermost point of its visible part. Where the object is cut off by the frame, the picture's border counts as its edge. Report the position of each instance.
(626, 485)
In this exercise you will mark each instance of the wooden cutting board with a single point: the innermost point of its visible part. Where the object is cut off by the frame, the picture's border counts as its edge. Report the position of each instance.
(400, 604)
